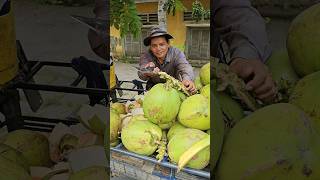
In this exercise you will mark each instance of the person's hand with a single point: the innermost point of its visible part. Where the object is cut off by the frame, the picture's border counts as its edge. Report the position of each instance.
(155, 70)
(149, 64)
(257, 78)
(189, 86)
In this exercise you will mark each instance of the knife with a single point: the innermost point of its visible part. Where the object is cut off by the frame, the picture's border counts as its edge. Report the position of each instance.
(96, 24)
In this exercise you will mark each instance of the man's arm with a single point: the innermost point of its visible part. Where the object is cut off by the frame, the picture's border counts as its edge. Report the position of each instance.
(183, 67)
(185, 70)
(243, 29)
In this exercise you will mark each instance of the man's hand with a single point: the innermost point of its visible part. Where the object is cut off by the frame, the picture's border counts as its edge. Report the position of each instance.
(149, 64)
(257, 78)
(189, 86)
(155, 70)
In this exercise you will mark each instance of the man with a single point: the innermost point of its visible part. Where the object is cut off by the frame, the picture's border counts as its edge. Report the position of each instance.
(163, 57)
(243, 29)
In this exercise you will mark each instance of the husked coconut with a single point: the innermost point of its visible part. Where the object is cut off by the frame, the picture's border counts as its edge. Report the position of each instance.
(275, 142)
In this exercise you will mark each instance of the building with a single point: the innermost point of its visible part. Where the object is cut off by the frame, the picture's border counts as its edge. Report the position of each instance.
(190, 36)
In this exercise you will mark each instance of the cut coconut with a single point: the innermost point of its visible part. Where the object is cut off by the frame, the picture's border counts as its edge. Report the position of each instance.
(54, 140)
(94, 118)
(89, 156)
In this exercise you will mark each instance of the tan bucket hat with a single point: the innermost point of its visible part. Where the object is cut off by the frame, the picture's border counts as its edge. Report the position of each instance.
(155, 32)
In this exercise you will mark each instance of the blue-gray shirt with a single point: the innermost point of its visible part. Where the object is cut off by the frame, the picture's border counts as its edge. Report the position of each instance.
(175, 64)
(243, 28)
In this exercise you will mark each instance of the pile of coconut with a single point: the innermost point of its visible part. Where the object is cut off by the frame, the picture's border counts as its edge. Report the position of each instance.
(67, 153)
(167, 121)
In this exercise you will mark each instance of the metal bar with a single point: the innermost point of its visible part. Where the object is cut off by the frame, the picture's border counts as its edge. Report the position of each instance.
(165, 164)
(50, 120)
(128, 89)
(37, 129)
(78, 80)
(65, 89)
(39, 125)
(126, 99)
(64, 64)
(34, 69)
(54, 63)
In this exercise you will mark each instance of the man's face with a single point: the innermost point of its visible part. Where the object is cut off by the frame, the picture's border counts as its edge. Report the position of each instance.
(159, 47)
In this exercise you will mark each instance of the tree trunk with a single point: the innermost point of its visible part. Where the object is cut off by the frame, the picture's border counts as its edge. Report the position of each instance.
(162, 18)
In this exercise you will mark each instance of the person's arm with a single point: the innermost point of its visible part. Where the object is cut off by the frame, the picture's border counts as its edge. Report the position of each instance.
(183, 67)
(186, 71)
(243, 29)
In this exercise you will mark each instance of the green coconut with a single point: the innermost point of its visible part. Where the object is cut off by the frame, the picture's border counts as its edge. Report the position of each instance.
(197, 83)
(275, 142)
(182, 96)
(139, 99)
(14, 156)
(90, 173)
(161, 105)
(115, 143)
(166, 126)
(182, 141)
(218, 130)
(94, 118)
(176, 128)
(141, 137)
(119, 107)
(115, 126)
(303, 41)
(282, 73)
(195, 112)
(306, 96)
(205, 74)
(281, 69)
(231, 109)
(127, 119)
(10, 170)
(33, 146)
(205, 91)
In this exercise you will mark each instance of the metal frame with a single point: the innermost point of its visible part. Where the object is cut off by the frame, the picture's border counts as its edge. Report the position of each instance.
(165, 163)
(35, 67)
(28, 69)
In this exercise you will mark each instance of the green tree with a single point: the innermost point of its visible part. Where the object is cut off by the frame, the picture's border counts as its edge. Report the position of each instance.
(124, 17)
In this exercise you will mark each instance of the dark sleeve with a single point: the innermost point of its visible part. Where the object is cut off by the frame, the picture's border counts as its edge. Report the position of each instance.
(183, 66)
(243, 29)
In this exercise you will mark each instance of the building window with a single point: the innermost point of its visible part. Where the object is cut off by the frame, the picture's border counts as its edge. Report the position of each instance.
(198, 43)
(187, 17)
(134, 46)
(149, 18)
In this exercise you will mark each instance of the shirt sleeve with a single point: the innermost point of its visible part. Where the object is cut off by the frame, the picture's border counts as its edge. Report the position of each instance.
(144, 59)
(243, 29)
(183, 67)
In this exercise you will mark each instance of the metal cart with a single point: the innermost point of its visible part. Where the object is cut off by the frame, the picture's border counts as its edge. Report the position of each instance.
(121, 160)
